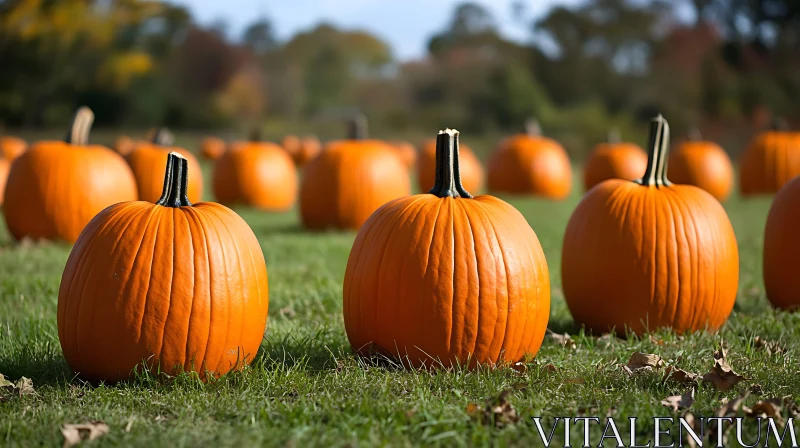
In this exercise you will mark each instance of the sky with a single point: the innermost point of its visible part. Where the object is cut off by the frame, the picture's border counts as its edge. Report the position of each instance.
(405, 24)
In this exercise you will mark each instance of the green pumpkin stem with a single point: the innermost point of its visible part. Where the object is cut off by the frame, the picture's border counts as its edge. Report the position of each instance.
(176, 179)
(357, 127)
(448, 171)
(614, 136)
(657, 152)
(78, 133)
(163, 137)
(532, 127)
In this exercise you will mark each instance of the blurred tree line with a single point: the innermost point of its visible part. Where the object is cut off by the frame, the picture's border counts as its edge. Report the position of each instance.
(604, 63)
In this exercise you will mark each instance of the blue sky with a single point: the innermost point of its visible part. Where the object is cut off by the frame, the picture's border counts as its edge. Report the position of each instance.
(405, 24)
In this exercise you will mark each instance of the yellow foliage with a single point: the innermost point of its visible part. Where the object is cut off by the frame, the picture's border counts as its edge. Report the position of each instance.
(244, 97)
(118, 70)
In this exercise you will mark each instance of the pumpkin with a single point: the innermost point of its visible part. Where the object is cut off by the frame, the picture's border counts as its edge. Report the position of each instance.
(529, 164)
(212, 148)
(614, 160)
(446, 278)
(647, 254)
(291, 144)
(124, 145)
(771, 159)
(703, 164)
(406, 152)
(11, 147)
(309, 148)
(171, 287)
(349, 180)
(56, 187)
(257, 174)
(4, 165)
(782, 248)
(471, 169)
(147, 161)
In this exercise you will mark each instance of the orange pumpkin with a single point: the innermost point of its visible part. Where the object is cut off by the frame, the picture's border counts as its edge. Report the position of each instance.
(291, 144)
(782, 248)
(471, 169)
(4, 165)
(443, 278)
(407, 152)
(614, 160)
(529, 164)
(172, 286)
(309, 148)
(349, 180)
(12, 147)
(703, 164)
(212, 148)
(647, 254)
(123, 145)
(147, 161)
(257, 174)
(770, 161)
(56, 187)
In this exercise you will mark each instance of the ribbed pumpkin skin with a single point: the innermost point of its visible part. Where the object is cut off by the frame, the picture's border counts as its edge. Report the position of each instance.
(771, 160)
(147, 162)
(4, 165)
(443, 278)
(256, 174)
(530, 165)
(54, 189)
(308, 148)
(212, 148)
(471, 169)
(702, 164)
(782, 248)
(348, 181)
(183, 288)
(406, 152)
(12, 147)
(625, 161)
(649, 257)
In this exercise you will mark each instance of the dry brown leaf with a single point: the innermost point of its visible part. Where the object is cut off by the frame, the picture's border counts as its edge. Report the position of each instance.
(549, 367)
(731, 407)
(564, 340)
(25, 387)
(74, 434)
(642, 362)
(771, 347)
(756, 389)
(677, 402)
(655, 341)
(679, 375)
(520, 367)
(767, 408)
(722, 375)
(498, 411)
(688, 417)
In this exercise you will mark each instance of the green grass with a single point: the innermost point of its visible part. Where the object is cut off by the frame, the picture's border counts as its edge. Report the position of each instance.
(306, 388)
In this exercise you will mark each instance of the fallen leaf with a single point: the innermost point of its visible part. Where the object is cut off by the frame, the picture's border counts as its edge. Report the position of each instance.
(607, 339)
(4, 382)
(731, 407)
(549, 367)
(642, 362)
(287, 311)
(564, 340)
(74, 434)
(679, 375)
(688, 417)
(677, 402)
(655, 341)
(25, 387)
(756, 389)
(722, 375)
(498, 411)
(520, 367)
(768, 408)
(771, 347)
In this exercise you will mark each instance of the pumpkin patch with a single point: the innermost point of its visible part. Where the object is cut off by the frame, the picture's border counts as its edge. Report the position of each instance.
(770, 161)
(703, 164)
(614, 160)
(147, 160)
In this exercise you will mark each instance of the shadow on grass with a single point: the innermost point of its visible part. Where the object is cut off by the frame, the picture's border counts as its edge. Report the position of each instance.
(565, 325)
(318, 351)
(51, 369)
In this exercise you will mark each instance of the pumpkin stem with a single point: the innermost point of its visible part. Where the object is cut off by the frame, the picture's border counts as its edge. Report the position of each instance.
(357, 127)
(79, 129)
(448, 171)
(532, 127)
(694, 134)
(614, 136)
(657, 152)
(176, 179)
(163, 137)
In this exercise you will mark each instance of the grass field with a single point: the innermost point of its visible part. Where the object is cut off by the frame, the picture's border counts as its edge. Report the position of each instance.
(306, 388)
